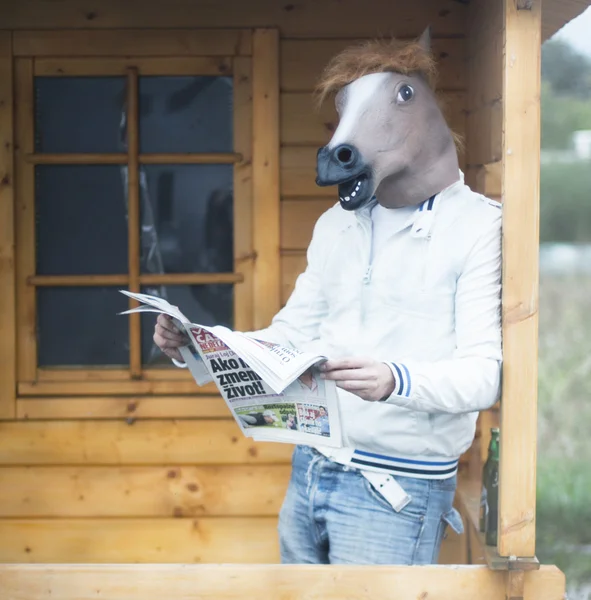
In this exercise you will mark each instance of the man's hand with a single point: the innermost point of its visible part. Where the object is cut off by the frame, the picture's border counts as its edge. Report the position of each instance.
(369, 379)
(168, 338)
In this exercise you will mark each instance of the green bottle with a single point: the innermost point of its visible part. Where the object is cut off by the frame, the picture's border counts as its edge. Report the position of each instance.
(486, 475)
(492, 489)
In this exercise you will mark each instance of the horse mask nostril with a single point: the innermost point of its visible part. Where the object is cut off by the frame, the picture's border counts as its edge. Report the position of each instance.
(345, 155)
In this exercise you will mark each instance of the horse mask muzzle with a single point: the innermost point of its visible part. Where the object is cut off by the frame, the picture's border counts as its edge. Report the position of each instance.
(343, 166)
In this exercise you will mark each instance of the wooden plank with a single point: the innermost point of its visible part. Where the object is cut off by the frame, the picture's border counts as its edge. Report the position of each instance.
(147, 279)
(265, 175)
(123, 407)
(298, 174)
(298, 218)
(203, 540)
(107, 374)
(145, 159)
(302, 62)
(489, 178)
(310, 19)
(484, 134)
(104, 387)
(521, 199)
(26, 314)
(302, 124)
(271, 582)
(243, 209)
(134, 42)
(292, 265)
(7, 234)
(141, 443)
(167, 491)
(106, 66)
(484, 67)
(133, 219)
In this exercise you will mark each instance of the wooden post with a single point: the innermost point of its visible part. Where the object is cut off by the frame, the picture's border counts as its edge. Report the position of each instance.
(243, 235)
(265, 172)
(7, 275)
(133, 219)
(521, 175)
(26, 310)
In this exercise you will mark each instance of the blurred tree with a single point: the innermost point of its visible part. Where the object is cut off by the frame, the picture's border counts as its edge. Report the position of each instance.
(567, 71)
(561, 116)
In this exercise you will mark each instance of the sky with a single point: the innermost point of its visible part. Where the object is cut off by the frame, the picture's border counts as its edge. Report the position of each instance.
(577, 32)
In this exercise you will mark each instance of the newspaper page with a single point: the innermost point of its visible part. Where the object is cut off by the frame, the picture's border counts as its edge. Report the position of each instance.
(274, 393)
(305, 412)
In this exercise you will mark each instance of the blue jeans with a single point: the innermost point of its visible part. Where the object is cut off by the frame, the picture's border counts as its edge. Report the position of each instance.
(332, 515)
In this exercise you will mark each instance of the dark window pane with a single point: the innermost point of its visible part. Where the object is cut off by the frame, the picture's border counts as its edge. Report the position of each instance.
(204, 304)
(81, 219)
(185, 114)
(187, 224)
(81, 327)
(79, 114)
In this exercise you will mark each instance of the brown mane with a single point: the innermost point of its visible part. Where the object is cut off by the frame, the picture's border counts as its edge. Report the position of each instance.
(376, 56)
(380, 56)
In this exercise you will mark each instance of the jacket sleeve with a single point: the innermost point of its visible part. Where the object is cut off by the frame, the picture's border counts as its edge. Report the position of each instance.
(297, 323)
(470, 380)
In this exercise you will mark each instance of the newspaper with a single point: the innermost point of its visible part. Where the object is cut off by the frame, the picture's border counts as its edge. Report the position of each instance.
(273, 392)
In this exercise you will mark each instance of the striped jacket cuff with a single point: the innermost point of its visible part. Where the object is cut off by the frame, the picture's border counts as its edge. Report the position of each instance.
(402, 384)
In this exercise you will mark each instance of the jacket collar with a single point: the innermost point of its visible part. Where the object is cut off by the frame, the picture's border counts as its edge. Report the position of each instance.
(422, 219)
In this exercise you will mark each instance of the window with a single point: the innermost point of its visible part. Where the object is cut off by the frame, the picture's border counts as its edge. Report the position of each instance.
(131, 174)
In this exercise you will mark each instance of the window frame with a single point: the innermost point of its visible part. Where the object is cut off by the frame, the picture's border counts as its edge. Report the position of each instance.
(222, 52)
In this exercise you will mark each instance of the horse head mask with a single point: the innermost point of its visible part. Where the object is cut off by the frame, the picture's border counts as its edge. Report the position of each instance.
(392, 140)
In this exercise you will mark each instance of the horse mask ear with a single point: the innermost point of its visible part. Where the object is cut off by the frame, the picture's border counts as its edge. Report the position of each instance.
(425, 40)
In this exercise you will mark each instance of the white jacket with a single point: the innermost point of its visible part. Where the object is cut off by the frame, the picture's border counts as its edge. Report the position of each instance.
(429, 305)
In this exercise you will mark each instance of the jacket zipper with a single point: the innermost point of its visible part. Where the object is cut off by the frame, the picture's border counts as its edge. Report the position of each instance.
(368, 234)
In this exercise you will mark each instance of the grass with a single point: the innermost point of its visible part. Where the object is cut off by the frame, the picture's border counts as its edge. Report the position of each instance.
(564, 426)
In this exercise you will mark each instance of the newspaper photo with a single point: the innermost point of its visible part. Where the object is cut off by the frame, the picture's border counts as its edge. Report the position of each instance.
(273, 392)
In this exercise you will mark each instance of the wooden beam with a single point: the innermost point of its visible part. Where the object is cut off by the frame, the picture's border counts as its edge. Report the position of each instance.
(521, 183)
(302, 19)
(132, 42)
(7, 234)
(147, 442)
(265, 173)
(150, 65)
(271, 582)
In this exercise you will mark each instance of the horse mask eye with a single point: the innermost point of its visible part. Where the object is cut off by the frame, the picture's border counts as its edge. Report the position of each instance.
(405, 93)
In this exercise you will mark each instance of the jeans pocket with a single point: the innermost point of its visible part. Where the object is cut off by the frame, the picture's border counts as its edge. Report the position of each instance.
(454, 520)
(451, 519)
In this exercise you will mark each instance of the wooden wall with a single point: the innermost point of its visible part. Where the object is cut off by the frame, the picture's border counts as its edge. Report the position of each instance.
(96, 484)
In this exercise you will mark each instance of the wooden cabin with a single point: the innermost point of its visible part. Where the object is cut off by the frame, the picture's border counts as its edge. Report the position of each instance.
(171, 145)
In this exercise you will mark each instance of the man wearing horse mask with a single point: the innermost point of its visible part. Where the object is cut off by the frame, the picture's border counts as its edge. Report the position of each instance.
(402, 291)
